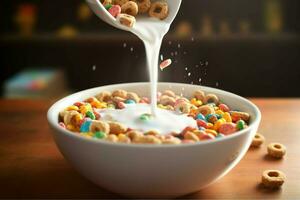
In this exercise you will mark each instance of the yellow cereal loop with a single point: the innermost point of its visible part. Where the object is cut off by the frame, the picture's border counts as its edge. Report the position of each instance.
(72, 108)
(220, 112)
(210, 131)
(85, 108)
(218, 124)
(210, 125)
(227, 117)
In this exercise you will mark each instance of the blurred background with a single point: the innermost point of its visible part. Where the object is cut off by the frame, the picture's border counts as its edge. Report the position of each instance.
(249, 47)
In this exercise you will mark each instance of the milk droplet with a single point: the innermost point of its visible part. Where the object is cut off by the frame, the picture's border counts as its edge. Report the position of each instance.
(217, 84)
(172, 54)
(192, 82)
(200, 80)
(189, 74)
(124, 45)
(186, 69)
(161, 57)
(175, 53)
(131, 49)
(178, 46)
(184, 52)
(170, 42)
(196, 66)
(206, 63)
(192, 39)
(94, 67)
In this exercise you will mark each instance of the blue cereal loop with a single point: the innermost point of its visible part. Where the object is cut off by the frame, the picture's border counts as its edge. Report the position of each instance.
(200, 116)
(130, 101)
(85, 126)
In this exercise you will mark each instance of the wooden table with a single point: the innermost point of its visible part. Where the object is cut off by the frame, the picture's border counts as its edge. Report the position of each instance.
(32, 167)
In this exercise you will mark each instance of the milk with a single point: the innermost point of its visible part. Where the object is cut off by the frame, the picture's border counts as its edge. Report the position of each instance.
(164, 122)
(151, 32)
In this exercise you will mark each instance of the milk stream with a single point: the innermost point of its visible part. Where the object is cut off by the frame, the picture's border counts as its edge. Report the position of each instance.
(151, 32)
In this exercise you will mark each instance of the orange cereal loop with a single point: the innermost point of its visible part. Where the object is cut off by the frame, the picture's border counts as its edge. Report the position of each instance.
(152, 132)
(112, 138)
(200, 95)
(130, 8)
(205, 110)
(257, 140)
(143, 5)
(211, 98)
(70, 117)
(119, 93)
(169, 93)
(133, 96)
(134, 134)
(120, 2)
(166, 100)
(276, 150)
(104, 96)
(159, 9)
(273, 178)
(117, 128)
(191, 136)
(98, 125)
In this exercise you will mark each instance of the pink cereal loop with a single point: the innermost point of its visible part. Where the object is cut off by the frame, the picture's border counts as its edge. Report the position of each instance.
(121, 105)
(115, 10)
(164, 64)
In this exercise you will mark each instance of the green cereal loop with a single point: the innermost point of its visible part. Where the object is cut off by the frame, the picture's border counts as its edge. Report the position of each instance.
(108, 6)
(145, 117)
(99, 135)
(240, 124)
(90, 115)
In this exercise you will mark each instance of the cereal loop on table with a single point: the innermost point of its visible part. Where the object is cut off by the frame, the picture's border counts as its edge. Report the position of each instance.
(159, 10)
(257, 140)
(273, 178)
(130, 8)
(276, 150)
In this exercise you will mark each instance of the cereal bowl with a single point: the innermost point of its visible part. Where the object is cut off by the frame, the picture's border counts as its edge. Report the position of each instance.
(143, 170)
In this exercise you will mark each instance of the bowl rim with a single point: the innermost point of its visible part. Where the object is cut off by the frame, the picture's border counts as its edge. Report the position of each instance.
(71, 134)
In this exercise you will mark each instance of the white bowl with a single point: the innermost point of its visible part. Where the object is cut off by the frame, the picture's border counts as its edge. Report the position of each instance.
(140, 170)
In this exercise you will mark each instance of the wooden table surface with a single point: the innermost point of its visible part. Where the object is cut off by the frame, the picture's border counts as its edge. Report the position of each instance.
(32, 167)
